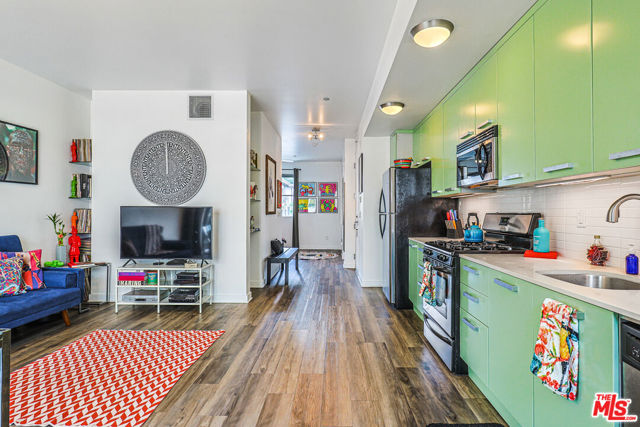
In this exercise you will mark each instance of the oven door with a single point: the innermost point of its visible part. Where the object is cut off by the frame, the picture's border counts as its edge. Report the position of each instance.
(442, 314)
(476, 164)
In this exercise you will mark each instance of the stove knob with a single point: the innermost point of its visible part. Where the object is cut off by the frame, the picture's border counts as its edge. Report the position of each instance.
(442, 258)
(428, 252)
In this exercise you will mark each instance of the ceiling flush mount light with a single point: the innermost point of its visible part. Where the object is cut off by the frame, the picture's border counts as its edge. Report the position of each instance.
(391, 108)
(315, 136)
(432, 33)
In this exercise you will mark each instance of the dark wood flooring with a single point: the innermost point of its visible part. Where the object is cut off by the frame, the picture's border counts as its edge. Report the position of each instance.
(320, 352)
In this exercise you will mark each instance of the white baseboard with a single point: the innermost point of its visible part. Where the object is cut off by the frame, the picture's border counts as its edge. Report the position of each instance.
(370, 284)
(231, 298)
(256, 284)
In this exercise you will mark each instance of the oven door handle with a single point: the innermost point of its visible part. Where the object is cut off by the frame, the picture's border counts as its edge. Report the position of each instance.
(434, 332)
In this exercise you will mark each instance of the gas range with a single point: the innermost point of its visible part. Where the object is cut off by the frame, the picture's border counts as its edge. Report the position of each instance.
(504, 233)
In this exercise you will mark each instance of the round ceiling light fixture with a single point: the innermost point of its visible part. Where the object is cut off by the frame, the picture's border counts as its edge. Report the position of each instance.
(432, 33)
(391, 108)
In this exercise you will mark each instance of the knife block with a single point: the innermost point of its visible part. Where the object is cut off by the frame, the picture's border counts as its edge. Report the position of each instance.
(454, 233)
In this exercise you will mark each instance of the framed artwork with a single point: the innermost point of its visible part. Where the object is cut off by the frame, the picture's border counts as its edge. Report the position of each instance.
(328, 206)
(18, 154)
(360, 174)
(270, 185)
(279, 195)
(307, 205)
(307, 189)
(327, 189)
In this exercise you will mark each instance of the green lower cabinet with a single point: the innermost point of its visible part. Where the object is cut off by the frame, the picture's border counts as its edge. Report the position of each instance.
(413, 268)
(512, 336)
(597, 366)
(474, 342)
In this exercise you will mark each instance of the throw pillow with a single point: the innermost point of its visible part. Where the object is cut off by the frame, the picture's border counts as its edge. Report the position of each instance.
(31, 267)
(11, 277)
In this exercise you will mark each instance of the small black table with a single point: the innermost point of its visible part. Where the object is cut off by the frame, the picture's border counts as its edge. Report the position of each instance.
(284, 259)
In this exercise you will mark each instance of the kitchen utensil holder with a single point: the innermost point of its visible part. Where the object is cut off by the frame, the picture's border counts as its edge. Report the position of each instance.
(454, 232)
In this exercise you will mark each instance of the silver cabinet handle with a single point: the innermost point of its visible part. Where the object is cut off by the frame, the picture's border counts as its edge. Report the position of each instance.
(436, 191)
(471, 297)
(471, 326)
(470, 270)
(559, 167)
(624, 154)
(449, 189)
(512, 288)
(485, 124)
(420, 267)
(467, 134)
(413, 246)
(512, 176)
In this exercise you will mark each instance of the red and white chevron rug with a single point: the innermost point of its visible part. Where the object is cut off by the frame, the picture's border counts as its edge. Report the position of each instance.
(107, 378)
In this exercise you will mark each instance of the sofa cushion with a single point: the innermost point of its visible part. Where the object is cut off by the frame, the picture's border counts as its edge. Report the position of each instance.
(10, 243)
(31, 267)
(19, 306)
(11, 277)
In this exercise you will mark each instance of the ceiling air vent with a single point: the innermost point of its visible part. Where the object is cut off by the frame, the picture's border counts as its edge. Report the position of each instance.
(200, 107)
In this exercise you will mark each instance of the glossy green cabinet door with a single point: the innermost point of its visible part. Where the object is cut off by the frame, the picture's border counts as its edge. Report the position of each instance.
(597, 366)
(511, 340)
(419, 142)
(562, 37)
(515, 108)
(435, 147)
(452, 123)
(485, 95)
(616, 92)
(413, 268)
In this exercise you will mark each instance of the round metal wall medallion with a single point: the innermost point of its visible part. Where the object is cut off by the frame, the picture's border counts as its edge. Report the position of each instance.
(168, 168)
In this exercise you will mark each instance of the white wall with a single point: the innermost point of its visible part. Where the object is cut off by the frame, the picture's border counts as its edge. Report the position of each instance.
(375, 153)
(561, 207)
(349, 203)
(59, 116)
(121, 119)
(265, 140)
(321, 230)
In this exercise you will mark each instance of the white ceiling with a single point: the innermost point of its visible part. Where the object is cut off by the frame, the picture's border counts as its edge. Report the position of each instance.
(421, 77)
(288, 54)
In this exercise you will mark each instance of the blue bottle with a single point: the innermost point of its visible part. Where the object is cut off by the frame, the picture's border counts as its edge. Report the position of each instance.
(541, 238)
(632, 261)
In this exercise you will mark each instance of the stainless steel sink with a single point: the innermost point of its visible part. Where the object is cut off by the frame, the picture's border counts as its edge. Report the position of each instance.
(592, 279)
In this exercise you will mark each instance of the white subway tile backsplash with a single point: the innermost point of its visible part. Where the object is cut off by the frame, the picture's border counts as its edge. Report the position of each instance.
(560, 205)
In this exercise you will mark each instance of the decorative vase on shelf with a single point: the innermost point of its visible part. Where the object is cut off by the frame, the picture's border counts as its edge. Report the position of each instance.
(61, 253)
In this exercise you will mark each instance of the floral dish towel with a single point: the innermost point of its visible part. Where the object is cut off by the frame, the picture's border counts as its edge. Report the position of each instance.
(555, 356)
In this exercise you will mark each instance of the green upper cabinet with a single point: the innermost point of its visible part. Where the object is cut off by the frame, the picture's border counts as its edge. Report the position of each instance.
(434, 148)
(597, 366)
(562, 46)
(420, 142)
(453, 121)
(616, 93)
(484, 88)
(515, 108)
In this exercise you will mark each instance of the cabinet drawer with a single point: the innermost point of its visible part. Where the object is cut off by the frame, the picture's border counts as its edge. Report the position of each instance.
(474, 276)
(474, 344)
(474, 303)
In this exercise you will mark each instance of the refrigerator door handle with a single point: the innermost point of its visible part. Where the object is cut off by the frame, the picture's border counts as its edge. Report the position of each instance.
(383, 226)
(382, 204)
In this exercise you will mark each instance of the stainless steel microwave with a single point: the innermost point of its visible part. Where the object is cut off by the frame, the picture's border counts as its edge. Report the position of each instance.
(477, 159)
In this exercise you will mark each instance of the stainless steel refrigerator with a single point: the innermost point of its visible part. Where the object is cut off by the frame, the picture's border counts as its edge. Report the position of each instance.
(406, 209)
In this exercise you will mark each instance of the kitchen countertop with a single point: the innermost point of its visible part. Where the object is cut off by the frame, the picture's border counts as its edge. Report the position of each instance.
(430, 239)
(624, 302)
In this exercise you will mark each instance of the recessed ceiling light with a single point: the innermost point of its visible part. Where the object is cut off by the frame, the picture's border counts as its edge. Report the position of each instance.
(432, 33)
(391, 108)
(326, 98)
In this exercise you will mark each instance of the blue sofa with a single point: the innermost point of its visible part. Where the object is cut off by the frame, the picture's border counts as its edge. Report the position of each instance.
(64, 289)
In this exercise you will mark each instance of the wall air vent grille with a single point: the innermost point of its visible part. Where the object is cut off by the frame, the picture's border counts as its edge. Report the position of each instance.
(200, 107)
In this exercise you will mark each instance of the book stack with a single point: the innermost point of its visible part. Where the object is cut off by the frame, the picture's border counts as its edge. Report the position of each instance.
(83, 150)
(84, 220)
(131, 278)
(83, 184)
(85, 249)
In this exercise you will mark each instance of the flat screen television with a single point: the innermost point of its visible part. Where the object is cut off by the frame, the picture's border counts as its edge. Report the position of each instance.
(165, 232)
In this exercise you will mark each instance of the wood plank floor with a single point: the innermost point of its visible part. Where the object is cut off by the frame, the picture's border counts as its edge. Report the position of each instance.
(320, 352)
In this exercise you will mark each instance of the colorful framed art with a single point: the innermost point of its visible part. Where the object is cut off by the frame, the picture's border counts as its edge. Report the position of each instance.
(306, 205)
(270, 185)
(328, 206)
(327, 189)
(18, 154)
(307, 189)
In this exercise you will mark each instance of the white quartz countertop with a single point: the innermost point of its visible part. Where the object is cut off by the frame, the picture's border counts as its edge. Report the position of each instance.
(430, 239)
(624, 302)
